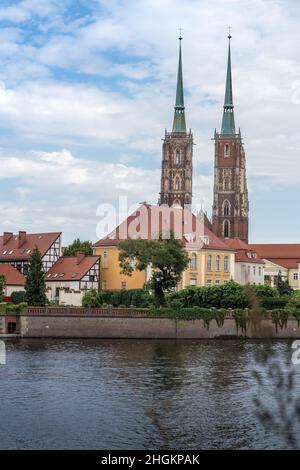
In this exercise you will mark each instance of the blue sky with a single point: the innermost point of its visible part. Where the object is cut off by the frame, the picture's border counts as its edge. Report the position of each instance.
(87, 89)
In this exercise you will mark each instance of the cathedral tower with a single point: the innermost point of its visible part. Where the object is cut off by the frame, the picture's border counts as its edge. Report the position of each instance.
(231, 206)
(177, 161)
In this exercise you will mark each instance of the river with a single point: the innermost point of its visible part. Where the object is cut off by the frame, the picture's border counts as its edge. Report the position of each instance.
(148, 394)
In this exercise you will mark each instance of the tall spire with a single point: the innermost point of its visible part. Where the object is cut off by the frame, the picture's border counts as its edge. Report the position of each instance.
(179, 115)
(228, 126)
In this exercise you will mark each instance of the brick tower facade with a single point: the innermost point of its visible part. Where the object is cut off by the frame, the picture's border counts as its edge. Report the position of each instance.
(177, 158)
(230, 212)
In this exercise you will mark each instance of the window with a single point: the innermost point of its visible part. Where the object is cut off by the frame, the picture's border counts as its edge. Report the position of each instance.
(132, 261)
(177, 183)
(209, 263)
(226, 230)
(209, 282)
(259, 270)
(218, 281)
(193, 281)
(226, 183)
(123, 285)
(295, 276)
(91, 278)
(249, 270)
(254, 270)
(177, 157)
(218, 263)
(194, 261)
(226, 264)
(105, 254)
(227, 151)
(226, 208)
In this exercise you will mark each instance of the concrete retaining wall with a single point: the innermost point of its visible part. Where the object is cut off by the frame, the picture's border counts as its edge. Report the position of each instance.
(91, 326)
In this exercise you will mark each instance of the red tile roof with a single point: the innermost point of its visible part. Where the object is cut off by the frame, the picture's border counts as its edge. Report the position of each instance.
(20, 246)
(244, 252)
(284, 254)
(70, 268)
(148, 221)
(12, 276)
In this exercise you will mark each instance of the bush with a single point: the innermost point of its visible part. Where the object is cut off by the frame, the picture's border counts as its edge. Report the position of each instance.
(140, 298)
(191, 313)
(18, 297)
(270, 303)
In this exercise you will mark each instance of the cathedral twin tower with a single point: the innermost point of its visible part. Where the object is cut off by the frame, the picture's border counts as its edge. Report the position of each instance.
(230, 212)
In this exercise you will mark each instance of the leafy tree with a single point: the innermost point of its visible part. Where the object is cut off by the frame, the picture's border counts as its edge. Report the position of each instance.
(35, 286)
(92, 299)
(283, 287)
(2, 286)
(167, 258)
(78, 245)
(18, 297)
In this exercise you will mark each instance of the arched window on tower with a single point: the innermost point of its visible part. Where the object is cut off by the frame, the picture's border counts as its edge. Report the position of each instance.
(227, 151)
(177, 183)
(226, 183)
(226, 208)
(177, 157)
(226, 229)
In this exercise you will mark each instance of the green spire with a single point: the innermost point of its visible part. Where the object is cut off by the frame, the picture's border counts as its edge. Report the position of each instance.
(179, 116)
(228, 126)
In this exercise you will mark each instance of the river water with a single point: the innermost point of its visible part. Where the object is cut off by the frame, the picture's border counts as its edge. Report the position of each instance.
(148, 394)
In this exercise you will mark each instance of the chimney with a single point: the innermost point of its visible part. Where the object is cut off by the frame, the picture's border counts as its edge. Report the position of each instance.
(21, 239)
(6, 237)
(80, 255)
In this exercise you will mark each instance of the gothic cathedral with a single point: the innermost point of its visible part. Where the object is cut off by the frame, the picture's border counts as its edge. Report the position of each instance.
(230, 206)
(177, 162)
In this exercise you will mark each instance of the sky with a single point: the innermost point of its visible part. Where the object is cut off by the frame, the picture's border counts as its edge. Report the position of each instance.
(87, 89)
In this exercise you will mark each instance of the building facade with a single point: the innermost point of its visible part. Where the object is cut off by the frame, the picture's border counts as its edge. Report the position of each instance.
(177, 154)
(71, 277)
(16, 249)
(249, 268)
(230, 212)
(211, 260)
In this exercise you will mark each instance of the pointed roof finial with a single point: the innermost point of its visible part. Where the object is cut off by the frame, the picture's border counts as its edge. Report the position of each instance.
(179, 115)
(228, 125)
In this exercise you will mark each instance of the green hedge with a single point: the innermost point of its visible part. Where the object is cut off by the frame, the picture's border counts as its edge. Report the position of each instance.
(6, 308)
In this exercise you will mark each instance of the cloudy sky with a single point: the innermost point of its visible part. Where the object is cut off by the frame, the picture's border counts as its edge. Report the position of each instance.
(87, 88)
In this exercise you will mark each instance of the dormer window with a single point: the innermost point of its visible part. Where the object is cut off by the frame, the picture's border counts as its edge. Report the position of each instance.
(227, 151)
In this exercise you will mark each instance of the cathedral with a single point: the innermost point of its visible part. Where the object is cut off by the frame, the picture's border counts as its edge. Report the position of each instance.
(230, 211)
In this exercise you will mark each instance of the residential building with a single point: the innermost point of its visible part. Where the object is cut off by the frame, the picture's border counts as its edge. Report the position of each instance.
(211, 260)
(14, 280)
(283, 258)
(249, 268)
(16, 249)
(230, 212)
(71, 276)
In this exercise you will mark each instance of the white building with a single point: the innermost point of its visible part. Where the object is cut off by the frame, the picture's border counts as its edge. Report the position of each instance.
(249, 268)
(71, 277)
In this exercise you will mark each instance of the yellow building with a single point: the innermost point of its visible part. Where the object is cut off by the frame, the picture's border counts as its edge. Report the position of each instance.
(211, 260)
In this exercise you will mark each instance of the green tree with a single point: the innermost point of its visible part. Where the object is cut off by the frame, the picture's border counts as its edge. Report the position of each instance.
(2, 286)
(283, 287)
(92, 298)
(35, 286)
(167, 258)
(78, 245)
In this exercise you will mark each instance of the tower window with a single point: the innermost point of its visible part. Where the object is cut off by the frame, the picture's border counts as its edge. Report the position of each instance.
(177, 157)
(226, 208)
(177, 183)
(226, 183)
(226, 229)
(227, 151)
